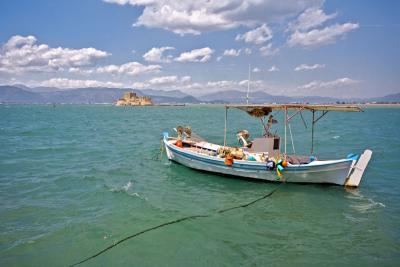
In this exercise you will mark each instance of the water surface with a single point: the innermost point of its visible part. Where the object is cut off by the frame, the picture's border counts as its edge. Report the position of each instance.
(75, 179)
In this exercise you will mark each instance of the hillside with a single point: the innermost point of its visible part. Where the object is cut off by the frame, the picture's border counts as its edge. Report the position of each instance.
(12, 94)
(258, 97)
(15, 94)
(40, 95)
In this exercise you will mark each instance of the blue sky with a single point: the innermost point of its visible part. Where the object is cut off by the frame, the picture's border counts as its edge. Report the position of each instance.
(309, 47)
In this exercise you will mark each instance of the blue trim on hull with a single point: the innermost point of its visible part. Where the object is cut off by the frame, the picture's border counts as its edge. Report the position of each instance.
(249, 167)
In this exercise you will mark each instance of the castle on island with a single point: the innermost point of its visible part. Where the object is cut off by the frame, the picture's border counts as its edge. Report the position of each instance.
(131, 99)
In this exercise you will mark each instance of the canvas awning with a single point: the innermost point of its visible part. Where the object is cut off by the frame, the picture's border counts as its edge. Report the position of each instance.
(263, 110)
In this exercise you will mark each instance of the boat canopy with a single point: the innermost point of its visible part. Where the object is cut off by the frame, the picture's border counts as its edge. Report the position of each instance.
(264, 110)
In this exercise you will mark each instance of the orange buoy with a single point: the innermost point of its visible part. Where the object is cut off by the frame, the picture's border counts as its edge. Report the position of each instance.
(179, 143)
(228, 160)
(284, 163)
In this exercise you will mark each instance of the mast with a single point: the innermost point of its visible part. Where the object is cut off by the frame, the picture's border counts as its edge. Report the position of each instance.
(248, 88)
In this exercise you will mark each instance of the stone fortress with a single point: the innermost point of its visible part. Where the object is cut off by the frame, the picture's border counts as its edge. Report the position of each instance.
(131, 99)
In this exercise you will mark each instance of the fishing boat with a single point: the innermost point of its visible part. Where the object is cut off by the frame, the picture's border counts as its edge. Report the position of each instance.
(262, 158)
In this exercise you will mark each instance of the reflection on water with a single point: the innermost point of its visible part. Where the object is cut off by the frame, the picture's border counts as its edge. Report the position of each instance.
(361, 203)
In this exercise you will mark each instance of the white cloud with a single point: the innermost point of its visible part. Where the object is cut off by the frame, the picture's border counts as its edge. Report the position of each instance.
(163, 80)
(339, 88)
(74, 70)
(318, 85)
(256, 70)
(223, 85)
(232, 52)
(257, 36)
(319, 37)
(196, 55)
(22, 54)
(140, 85)
(305, 31)
(273, 69)
(132, 2)
(230, 85)
(194, 17)
(184, 83)
(310, 18)
(258, 84)
(130, 68)
(67, 83)
(247, 51)
(80, 71)
(156, 54)
(268, 50)
(186, 79)
(309, 67)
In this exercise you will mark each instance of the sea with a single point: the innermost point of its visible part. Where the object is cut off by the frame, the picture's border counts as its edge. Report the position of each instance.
(76, 179)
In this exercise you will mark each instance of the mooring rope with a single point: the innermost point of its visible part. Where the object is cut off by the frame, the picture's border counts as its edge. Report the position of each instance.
(137, 234)
(252, 202)
(177, 221)
(159, 153)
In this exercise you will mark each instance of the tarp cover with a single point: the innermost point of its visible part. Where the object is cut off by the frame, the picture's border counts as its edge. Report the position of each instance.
(263, 110)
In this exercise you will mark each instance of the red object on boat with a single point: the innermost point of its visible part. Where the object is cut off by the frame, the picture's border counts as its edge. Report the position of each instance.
(228, 160)
(179, 143)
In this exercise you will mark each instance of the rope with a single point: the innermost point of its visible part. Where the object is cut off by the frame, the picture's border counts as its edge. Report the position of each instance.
(252, 202)
(159, 154)
(137, 234)
(176, 221)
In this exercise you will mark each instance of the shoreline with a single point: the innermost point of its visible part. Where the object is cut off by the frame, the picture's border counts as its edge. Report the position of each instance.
(198, 104)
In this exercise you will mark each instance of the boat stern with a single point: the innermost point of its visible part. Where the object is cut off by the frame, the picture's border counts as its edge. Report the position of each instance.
(357, 170)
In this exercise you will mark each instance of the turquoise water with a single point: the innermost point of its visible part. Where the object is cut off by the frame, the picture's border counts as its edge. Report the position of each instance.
(75, 179)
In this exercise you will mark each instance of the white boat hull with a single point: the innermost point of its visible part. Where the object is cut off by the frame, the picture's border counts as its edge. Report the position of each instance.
(329, 171)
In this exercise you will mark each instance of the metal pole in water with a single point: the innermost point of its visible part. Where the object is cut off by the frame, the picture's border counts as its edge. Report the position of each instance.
(226, 118)
(312, 132)
(285, 127)
(291, 138)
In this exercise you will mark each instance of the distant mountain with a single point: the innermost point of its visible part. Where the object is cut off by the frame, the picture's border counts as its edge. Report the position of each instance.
(12, 94)
(43, 89)
(258, 97)
(230, 96)
(388, 98)
(25, 95)
(174, 100)
(22, 86)
(172, 93)
(41, 95)
(86, 95)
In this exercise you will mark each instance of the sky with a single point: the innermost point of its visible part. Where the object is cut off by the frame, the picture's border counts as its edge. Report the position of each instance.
(342, 48)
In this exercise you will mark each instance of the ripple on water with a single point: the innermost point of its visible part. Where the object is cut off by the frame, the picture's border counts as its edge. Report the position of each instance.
(126, 189)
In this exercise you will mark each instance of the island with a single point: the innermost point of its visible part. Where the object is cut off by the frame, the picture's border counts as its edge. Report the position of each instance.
(131, 99)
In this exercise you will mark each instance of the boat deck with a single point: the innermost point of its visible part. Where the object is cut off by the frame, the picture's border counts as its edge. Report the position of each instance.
(209, 149)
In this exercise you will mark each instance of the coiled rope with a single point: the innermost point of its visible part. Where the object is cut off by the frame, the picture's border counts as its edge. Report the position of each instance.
(177, 221)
